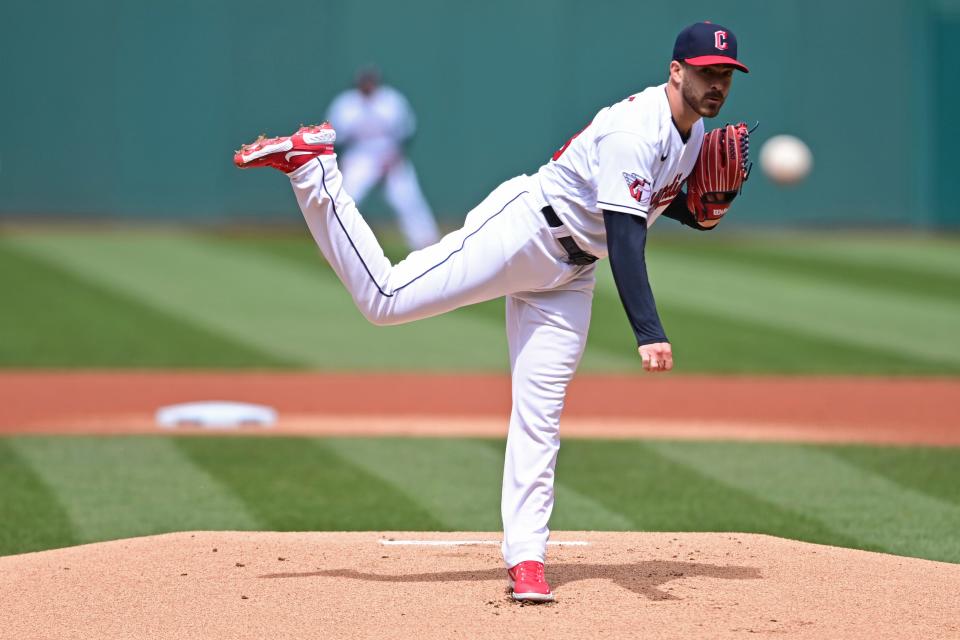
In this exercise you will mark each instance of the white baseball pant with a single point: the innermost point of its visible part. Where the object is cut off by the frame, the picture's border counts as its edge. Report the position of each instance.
(505, 248)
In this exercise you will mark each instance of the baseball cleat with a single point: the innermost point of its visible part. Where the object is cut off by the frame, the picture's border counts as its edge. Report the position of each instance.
(528, 582)
(287, 153)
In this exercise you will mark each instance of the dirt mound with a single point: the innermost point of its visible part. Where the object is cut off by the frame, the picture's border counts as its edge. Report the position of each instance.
(365, 585)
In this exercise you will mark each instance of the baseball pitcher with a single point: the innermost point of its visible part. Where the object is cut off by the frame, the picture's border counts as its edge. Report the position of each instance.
(535, 240)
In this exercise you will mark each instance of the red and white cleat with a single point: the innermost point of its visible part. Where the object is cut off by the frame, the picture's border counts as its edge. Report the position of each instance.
(287, 153)
(528, 582)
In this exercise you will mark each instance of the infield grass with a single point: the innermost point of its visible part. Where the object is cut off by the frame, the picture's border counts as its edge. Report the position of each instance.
(60, 491)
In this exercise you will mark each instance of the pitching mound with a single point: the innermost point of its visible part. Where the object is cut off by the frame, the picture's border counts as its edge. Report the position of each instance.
(352, 585)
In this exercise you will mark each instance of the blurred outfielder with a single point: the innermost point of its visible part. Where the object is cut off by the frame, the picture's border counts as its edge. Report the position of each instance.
(374, 123)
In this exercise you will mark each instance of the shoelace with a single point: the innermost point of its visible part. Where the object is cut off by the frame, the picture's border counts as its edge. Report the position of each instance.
(536, 569)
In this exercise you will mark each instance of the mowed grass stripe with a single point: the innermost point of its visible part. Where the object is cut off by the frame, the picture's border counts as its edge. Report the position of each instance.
(793, 261)
(913, 326)
(934, 256)
(31, 517)
(932, 471)
(866, 507)
(53, 318)
(659, 494)
(295, 313)
(708, 342)
(718, 341)
(459, 482)
(118, 487)
(298, 484)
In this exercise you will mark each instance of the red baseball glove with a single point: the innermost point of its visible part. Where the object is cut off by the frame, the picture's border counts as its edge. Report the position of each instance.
(721, 170)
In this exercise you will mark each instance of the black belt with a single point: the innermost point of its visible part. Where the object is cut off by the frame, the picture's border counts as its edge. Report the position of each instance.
(575, 255)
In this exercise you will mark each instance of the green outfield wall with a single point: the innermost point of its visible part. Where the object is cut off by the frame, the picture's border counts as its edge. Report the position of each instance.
(133, 109)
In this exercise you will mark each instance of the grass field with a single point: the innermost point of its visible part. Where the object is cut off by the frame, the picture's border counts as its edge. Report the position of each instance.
(752, 305)
(779, 304)
(60, 491)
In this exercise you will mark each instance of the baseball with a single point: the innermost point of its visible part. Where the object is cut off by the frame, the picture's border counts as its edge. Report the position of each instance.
(786, 159)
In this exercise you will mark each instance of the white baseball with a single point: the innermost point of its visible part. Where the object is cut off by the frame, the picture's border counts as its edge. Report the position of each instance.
(786, 159)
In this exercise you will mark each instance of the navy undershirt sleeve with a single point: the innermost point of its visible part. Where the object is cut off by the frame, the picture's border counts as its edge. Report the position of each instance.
(677, 210)
(626, 239)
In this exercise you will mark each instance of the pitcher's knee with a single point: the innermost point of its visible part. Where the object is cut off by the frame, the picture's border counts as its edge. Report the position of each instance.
(375, 316)
(384, 315)
(384, 321)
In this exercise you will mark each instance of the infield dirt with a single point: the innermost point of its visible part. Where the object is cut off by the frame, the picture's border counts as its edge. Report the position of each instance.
(350, 585)
(919, 411)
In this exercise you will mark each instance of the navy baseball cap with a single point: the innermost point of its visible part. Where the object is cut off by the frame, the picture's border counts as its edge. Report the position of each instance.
(706, 43)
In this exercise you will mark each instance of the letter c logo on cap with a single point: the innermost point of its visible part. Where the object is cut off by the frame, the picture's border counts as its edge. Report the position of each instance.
(720, 40)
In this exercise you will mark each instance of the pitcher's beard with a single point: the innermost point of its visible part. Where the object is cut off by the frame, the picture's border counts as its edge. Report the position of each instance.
(705, 108)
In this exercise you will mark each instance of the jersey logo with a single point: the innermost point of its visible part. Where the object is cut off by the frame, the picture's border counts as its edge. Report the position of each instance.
(720, 40)
(666, 195)
(640, 188)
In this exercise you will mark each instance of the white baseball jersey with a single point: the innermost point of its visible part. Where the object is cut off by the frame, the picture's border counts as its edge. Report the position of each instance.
(630, 159)
(380, 121)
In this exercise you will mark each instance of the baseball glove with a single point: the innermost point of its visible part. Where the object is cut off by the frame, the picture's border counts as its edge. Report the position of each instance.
(719, 174)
